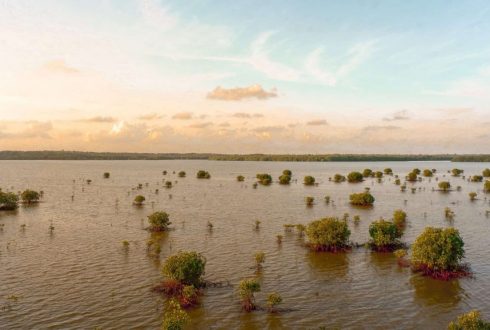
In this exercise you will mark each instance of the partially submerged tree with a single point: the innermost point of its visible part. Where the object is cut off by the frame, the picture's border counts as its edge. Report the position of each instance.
(201, 174)
(472, 195)
(309, 180)
(273, 299)
(444, 186)
(469, 321)
(399, 219)
(486, 173)
(388, 171)
(437, 252)
(287, 172)
(259, 259)
(138, 200)
(240, 178)
(354, 177)
(338, 178)
(328, 234)
(284, 179)
(185, 267)
(174, 318)
(159, 221)
(246, 289)
(30, 196)
(107, 175)
(264, 179)
(486, 186)
(427, 173)
(384, 236)
(476, 178)
(367, 173)
(362, 199)
(8, 201)
(182, 174)
(456, 171)
(309, 200)
(412, 177)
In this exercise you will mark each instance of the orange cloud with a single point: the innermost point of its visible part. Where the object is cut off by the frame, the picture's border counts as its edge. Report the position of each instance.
(182, 116)
(241, 93)
(59, 66)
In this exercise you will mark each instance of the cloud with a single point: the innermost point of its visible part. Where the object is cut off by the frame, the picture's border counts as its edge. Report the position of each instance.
(201, 125)
(59, 66)
(455, 111)
(317, 122)
(150, 116)
(268, 129)
(247, 115)
(183, 116)
(157, 15)
(100, 119)
(375, 128)
(399, 115)
(241, 93)
(225, 124)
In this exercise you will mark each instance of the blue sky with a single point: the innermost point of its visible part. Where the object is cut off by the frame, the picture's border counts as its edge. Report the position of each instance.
(383, 70)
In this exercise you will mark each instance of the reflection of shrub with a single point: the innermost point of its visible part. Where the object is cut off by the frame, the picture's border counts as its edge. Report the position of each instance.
(469, 321)
(328, 234)
(437, 252)
(384, 236)
(362, 199)
(185, 267)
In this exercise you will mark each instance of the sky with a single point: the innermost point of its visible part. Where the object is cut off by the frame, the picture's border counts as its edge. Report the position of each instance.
(245, 76)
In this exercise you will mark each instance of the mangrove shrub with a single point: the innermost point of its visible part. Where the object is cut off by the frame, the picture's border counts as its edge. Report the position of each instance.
(353, 177)
(159, 221)
(186, 267)
(328, 234)
(362, 199)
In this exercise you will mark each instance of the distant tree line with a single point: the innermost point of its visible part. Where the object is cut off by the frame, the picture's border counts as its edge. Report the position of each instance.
(82, 155)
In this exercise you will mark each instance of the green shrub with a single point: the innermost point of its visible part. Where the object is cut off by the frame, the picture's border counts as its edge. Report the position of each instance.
(168, 184)
(399, 218)
(287, 172)
(438, 252)
(384, 235)
(477, 178)
(273, 299)
(8, 201)
(362, 199)
(309, 180)
(30, 196)
(367, 173)
(309, 200)
(264, 179)
(284, 179)
(182, 174)
(456, 172)
(412, 177)
(416, 171)
(240, 178)
(354, 177)
(486, 186)
(338, 178)
(259, 259)
(246, 289)
(444, 185)
(107, 175)
(328, 234)
(472, 195)
(469, 321)
(185, 267)
(138, 200)
(486, 173)
(378, 174)
(427, 173)
(159, 221)
(203, 174)
(388, 171)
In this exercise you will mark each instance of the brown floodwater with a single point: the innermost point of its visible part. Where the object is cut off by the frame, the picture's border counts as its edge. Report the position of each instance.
(79, 276)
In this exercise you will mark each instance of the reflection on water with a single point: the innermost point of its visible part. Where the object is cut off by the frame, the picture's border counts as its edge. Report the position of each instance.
(80, 276)
(428, 291)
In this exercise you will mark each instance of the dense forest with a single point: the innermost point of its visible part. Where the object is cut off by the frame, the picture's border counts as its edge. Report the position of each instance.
(81, 155)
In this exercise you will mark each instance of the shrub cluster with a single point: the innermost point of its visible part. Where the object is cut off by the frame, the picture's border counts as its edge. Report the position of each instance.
(328, 234)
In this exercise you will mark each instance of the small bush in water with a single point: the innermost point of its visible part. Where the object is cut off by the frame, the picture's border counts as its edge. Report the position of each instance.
(328, 234)
(186, 267)
(246, 290)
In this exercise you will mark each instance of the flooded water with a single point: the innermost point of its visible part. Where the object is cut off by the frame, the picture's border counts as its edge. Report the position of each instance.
(79, 276)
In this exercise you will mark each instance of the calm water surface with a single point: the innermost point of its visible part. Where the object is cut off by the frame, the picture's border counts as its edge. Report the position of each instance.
(80, 277)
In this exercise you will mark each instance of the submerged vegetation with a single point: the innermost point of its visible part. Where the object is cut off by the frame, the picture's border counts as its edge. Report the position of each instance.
(264, 179)
(201, 174)
(469, 321)
(328, 234)
(30, 196)
(437, 252)
(159, 221)
(362, 199)
(384, 236)
(8, 201)
(246, 290)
